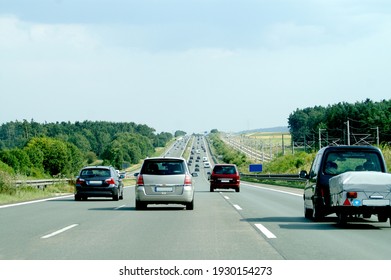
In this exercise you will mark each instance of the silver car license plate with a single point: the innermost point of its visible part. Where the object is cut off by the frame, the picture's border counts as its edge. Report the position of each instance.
(163, 189)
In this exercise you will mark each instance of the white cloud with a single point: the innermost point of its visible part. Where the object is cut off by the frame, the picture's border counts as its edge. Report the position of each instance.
(292, 64)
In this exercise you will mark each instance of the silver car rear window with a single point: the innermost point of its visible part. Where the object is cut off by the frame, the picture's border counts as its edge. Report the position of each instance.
(163, 167)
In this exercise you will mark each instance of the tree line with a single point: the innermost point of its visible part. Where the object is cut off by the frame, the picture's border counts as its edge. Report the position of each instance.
(62, 148)
(365, 122)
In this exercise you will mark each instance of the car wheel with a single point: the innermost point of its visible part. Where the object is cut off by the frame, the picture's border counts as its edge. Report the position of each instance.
(237, 189)
(382, 218)
(116, 197)
(140, 205)
(190, 205)
(308, 213)
(212, 189)
(317, 213)
(77, 197)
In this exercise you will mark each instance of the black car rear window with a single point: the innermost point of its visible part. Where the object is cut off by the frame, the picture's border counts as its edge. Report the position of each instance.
(163, 167)
(98, 172)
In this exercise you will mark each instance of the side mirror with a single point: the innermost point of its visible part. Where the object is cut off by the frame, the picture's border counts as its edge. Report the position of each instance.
(303, 174)
(136, 174)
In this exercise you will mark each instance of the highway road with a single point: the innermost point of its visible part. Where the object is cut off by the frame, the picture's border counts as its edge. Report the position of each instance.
(258, 223)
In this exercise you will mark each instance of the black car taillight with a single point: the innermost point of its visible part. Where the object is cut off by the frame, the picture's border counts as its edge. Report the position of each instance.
(110, 181)
(80, 181)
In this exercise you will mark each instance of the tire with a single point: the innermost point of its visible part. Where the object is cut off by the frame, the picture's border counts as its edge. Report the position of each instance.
(317, 212)
(212, 189)
(342, 218)
(190, 205)
(116, 196)
(382, 218)
(308, 213)
(237, 189)
(77, 197)
(140, 205)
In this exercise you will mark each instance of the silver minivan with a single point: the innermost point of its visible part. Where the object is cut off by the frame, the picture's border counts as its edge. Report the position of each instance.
(164, 180)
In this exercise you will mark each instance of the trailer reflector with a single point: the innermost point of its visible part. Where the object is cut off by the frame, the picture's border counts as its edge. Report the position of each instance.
(346, 203)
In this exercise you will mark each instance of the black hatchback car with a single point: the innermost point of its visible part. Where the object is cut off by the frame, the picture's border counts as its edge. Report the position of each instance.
(98, 181)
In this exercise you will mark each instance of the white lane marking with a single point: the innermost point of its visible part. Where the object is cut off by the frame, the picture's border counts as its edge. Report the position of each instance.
(237, 207)
(59, 231)
(119, 207)
(226, 197)
(273, 190)
(265, 231)
(34, 201)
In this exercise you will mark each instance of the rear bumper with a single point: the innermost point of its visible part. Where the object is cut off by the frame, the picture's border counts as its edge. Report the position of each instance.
(96, 192)
(165, 197)
(224, 186)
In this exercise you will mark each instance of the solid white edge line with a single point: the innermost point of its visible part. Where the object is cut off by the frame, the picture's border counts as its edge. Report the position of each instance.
(34, 201)
(265, 231)
(119, 207)
(59, 231)
(273, 190)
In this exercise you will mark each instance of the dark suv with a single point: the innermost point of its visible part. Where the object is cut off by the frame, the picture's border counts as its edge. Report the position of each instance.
(225, 176)
(332, 161)
(98, 181)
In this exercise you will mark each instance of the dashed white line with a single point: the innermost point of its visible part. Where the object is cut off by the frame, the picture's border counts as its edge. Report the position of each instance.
(119, 207)
(59, 231)
(237, 207)
(265, 231)
(226, 197)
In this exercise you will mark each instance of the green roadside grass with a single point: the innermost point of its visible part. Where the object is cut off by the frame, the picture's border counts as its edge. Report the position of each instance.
(26, 193)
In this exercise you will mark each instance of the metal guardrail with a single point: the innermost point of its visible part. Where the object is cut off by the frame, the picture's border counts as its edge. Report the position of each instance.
(40, 184)
(275, 177)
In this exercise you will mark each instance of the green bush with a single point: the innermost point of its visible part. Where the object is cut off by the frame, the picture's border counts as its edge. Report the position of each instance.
(6, 185)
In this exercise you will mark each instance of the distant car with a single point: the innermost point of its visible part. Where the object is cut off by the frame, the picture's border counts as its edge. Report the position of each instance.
(196, 169)
(225, 176)
(98, 181)
(164, 180)
(206, 164)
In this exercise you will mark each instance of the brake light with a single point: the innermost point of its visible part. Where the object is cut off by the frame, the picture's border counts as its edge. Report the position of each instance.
(351, 194)
(110, 181)
(80, 181)
(187, 180)
(140, 180)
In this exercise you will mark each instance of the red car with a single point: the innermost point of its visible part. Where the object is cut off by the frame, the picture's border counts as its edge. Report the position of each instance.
(225, 176)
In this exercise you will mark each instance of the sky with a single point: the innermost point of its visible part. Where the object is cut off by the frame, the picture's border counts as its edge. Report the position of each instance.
(191, 65)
